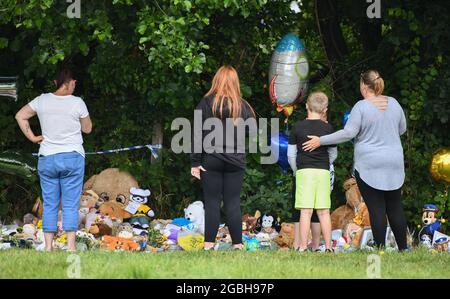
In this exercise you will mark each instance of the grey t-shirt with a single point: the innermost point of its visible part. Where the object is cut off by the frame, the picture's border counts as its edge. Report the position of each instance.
(378, 153)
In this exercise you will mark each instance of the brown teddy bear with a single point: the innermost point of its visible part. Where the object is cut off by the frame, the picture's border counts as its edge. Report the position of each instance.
(102, 226)
(353, 230)
(112, 184)
(285, 237)
(114, 210)
(345, 214)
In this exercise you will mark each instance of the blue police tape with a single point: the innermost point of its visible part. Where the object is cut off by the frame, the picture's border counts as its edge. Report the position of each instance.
(152, 147)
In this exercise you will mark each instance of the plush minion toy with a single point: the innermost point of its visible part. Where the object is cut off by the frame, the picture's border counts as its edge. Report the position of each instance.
(137, 206)
(429, 219)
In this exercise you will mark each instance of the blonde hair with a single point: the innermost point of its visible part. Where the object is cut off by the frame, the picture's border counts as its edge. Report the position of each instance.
(317, 102)
(226, 89)
(373, 80)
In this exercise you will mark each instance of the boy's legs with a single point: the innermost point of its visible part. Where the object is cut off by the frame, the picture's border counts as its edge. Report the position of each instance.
(325, 226)
(315, 232)
(304, 200)
(305, 222)
(323, 204)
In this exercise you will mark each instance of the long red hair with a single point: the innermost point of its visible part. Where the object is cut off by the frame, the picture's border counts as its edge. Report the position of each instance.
(227, 90)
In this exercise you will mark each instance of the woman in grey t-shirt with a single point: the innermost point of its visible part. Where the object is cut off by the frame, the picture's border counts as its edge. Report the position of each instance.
(376, 123)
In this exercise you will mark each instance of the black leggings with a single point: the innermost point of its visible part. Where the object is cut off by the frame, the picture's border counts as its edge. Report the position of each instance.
(222, 180)
(381, 203)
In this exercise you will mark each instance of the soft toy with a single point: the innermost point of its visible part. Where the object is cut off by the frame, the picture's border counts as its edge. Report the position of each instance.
(223, 235)
(171, 233)
(249, 222)
(112, 182)
(250, 243)
(160, 224)
(89, 199)
(119, 244)
(138, 209)
(196, 215)
(125, 230)
(28, 232)
(267, 223)
(341, 216)
(429, 219)
(285, 238)
(353, 232)
(30, 219)
(440, 242)
(102, 226)
(114, 210)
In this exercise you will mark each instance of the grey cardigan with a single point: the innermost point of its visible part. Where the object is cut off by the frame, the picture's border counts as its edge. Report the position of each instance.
(378, 156)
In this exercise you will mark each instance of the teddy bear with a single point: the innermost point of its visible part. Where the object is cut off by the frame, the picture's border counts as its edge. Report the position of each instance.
(195, 213)
(344, 214)
(114, 210)
(354, 229)
(102, 226)
(88, 200)
(113, 183)
(285, 238)
(119, 244)
(249, 222)
(138, 209)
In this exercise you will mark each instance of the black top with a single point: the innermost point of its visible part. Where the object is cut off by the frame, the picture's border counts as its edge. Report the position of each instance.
(227, 152)
(319, 157)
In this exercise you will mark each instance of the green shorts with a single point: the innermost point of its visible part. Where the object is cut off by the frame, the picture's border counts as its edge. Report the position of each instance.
(312, 189)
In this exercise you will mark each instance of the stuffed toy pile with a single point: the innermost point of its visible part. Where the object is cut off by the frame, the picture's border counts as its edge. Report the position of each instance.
(116, 215)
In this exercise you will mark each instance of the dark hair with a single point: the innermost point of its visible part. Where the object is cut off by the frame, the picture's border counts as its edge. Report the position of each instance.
(63, 76)
(373, 80)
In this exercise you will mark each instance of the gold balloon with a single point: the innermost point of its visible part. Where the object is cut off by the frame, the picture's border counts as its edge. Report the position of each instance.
(440, 165)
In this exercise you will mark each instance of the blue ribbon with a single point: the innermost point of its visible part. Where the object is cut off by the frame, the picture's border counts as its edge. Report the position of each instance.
(152, 147)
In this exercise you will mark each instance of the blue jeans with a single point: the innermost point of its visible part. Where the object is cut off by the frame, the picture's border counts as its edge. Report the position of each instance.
(61, 177)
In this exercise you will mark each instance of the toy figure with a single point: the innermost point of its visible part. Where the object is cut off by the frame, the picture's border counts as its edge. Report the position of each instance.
(138, 209)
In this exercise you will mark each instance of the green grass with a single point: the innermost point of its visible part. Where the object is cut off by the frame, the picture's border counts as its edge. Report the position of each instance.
(261, 264)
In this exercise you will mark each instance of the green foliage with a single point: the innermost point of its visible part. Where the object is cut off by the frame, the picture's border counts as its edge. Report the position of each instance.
(139, 63)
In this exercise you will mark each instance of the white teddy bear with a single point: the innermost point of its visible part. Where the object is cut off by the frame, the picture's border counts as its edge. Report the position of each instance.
(196, 214)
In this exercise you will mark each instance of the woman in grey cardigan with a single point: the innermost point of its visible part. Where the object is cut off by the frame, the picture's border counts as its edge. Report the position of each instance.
(376, 123)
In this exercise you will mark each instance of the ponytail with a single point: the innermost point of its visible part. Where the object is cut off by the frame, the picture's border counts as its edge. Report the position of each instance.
(374, 81)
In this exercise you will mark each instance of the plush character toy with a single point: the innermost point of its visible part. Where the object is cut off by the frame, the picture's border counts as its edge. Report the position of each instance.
(267, 223)
(346, 213)
(196, 215)
(429, 219)
(138, 208)
(285, 238)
